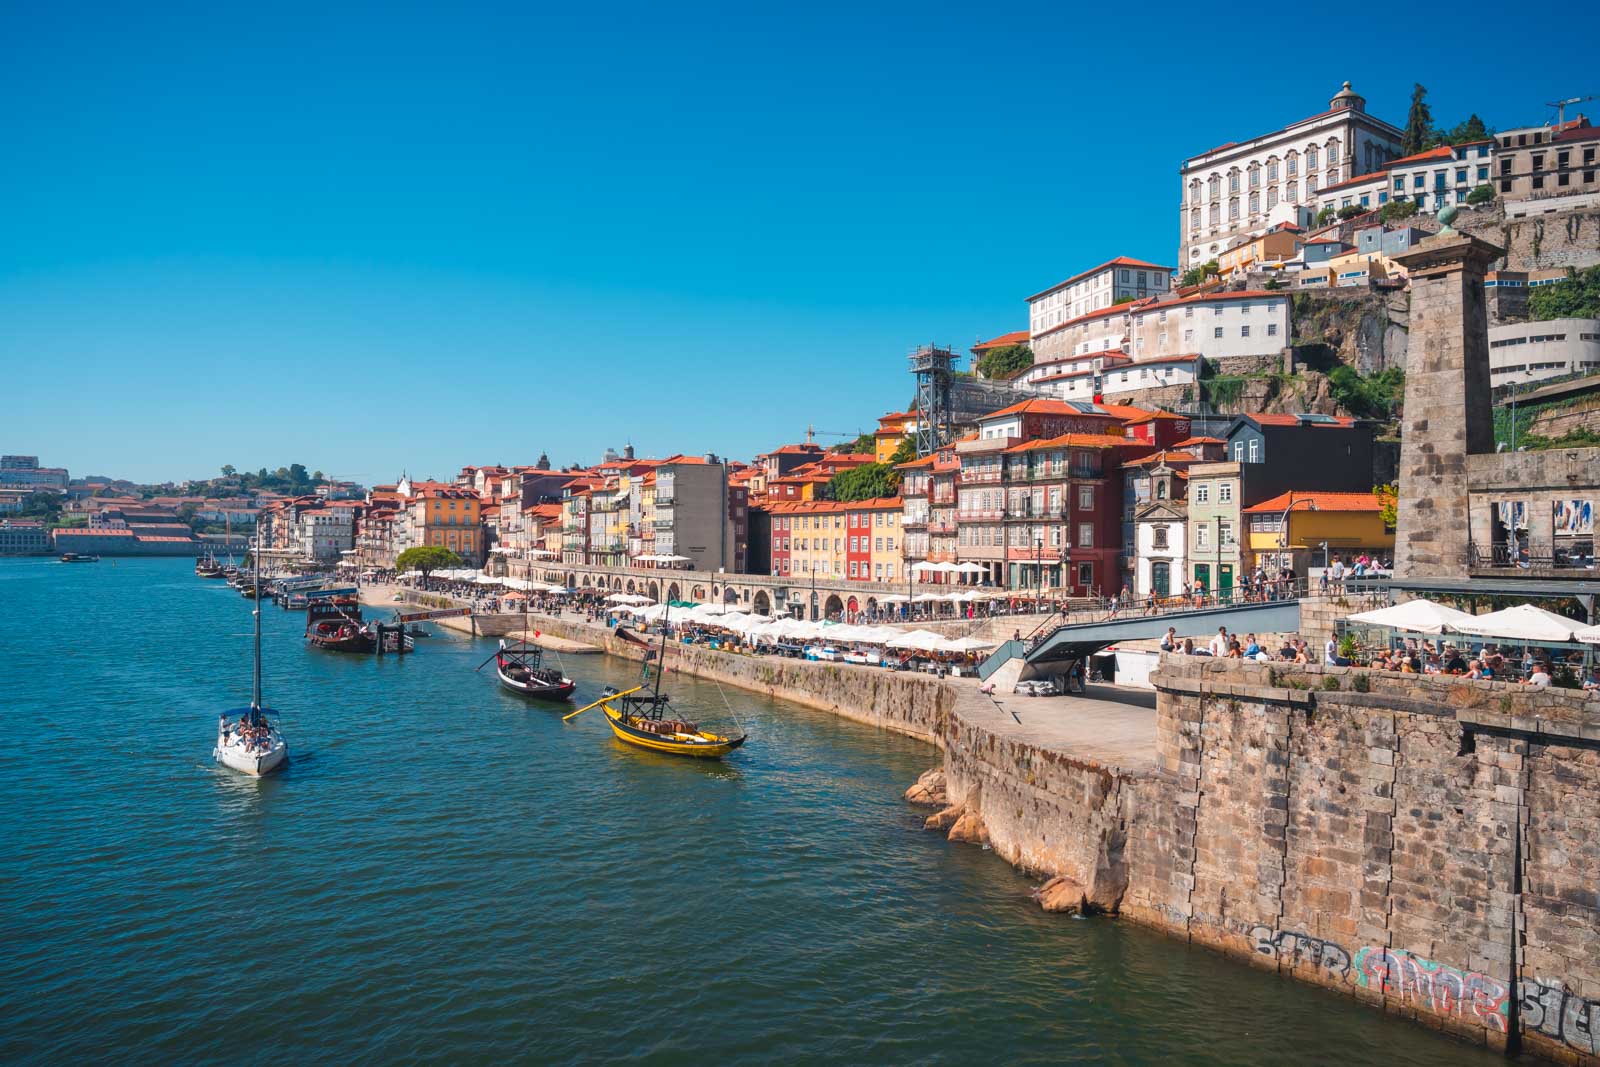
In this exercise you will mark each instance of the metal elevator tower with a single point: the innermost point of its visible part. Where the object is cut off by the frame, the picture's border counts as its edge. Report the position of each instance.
(933, 366)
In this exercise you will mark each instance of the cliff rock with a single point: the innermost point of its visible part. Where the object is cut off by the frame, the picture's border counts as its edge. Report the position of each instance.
(929, 790)
(1060, 894)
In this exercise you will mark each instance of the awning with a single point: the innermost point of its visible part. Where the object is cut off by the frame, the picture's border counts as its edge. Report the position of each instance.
(1521, 623)
(1414, 616)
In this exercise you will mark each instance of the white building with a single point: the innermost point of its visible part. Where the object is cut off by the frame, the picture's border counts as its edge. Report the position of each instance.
(1213, 325)
(1107, 374)
(1231, 192)
(1094, 289)
(1160, 533)
(1441, 175)
(325, 533)
(1535, 351)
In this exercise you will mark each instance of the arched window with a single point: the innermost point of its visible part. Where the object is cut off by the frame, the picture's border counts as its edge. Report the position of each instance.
(1255, 203)
(1291, 193)
(1194, 219)
(1272, 169)
(1311, 157)
(1233, 180)
(1255, 175)
(1215, 181)
(1233, 207)
(1291, 164)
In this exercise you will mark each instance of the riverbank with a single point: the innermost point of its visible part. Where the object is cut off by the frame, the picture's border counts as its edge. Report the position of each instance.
(1298, 818)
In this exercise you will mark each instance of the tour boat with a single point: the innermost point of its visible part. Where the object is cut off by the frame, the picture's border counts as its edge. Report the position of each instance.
(521, 671)
(336, 625)
(79, 557)
(248, 741)
(642, 719)
(207, 567)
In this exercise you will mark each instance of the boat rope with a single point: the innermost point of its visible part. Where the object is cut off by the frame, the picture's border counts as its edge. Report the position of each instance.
(725, 703)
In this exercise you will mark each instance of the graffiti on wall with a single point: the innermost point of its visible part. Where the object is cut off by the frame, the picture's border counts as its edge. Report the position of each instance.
(1573, 518)
(1297, 949)
(1548, 1008)
(1439, 987)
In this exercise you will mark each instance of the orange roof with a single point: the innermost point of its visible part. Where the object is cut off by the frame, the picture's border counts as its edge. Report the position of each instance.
(913, 464)
(1377, 175)
(1152, 416)
(1151, 303)
(1263, 419)
(1005, 340)
(1321, 502)
(1125, 412)
(1040, 406)
(1120, 261)
(1164, 456)
(1190, 442)
(1080, 440)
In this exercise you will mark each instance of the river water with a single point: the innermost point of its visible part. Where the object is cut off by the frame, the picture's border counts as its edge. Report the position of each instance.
(447, 872)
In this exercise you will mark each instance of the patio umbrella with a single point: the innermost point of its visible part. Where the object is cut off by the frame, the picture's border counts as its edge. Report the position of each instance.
(926, 640)
(1521, 623)
(969, 644)
(1414, 616)
(1589, 635)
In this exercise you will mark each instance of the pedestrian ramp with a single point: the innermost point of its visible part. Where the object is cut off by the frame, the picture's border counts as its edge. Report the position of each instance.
(1055, 650)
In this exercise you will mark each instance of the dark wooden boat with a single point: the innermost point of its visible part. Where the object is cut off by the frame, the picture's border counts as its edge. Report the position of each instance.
(521, 670)
(79, 557)
(337, 626)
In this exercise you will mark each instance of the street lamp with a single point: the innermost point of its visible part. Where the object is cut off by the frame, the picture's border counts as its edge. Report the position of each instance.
(1283, 526)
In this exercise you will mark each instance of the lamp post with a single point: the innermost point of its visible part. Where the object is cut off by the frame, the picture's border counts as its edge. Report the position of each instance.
(1283, 527)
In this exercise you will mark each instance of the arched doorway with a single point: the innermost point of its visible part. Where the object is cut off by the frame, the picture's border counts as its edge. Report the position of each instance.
(853, 606)
(653, 591)
(630, 585)
(697, 593)
(872, 605)
(616, 583)
(762, 605)
(730, 595)
(571, 581)
(673, 593)
(832, 606)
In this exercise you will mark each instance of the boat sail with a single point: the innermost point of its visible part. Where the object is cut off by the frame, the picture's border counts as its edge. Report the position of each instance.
(642, 719)
(251, 743)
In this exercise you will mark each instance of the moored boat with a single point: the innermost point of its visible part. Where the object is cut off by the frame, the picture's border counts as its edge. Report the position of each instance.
(521, 669)
(79, 557)
(336, 624)
(645, 720)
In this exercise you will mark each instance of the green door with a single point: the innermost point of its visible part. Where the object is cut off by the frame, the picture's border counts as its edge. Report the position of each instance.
(1224, 580)
(1161, 578)
(1202, 576)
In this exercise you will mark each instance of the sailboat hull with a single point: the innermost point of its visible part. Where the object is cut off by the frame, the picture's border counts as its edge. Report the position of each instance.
(697, 746)
(255, 762)
(562, 691)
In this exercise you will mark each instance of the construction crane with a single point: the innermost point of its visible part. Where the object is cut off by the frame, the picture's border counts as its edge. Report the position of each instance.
(812, 431)
(1561, 107)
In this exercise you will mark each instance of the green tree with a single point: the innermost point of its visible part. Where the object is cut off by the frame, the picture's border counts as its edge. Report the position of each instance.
(426, 559)
(1577, 296)
(866, 482)
(1481, 195)
(1373, 397)
(1325, 216)
(1004, 362)
(1196, 275)
(1396, 210)
(1350, 211)
(864, 443)
(1466, 132)
(1388, 503)
(229, 470)
(1419, 123)
(905, 453)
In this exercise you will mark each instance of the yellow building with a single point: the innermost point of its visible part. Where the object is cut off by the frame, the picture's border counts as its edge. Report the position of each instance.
(448, 517)
(1321, 527)
(874, 547)
(1274, 246)
(816, 538)
(893, 429)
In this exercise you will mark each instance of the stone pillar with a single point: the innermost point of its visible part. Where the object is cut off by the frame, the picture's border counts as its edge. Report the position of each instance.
(1447, 408)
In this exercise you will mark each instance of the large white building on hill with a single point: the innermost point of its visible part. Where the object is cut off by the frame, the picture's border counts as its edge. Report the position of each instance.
(1240, 189)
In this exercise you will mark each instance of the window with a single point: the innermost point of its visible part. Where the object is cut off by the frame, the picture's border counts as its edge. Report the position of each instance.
(1217, 332)
(1224, 492)
(1085, 498)
(1272, 329)
(1158, 537)
(1086, 574)
(1311, 158)
(1255, 203)
(1085, 535)
(1202, 535)
(1244, 331)
(1225, 533)
(1255, 451)
(1202, 493)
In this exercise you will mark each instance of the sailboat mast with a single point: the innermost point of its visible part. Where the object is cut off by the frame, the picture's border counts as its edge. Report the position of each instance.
(666, 624)
(255, 698)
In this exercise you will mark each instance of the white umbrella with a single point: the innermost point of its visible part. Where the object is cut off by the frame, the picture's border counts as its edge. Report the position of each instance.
(1521, 623)
(1589, 635)
(969, 644)
(620, 598)
(1414, 616)
(926, 640)
(926, 598)
(893, 598)
(967, 568)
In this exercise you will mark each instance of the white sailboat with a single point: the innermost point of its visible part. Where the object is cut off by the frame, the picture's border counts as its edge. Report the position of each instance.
(247, 740)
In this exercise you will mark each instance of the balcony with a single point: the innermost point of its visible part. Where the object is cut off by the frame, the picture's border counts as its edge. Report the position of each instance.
(1528, 559)
(665, 500)
(984, 515)
(662, 524)
(983, 477)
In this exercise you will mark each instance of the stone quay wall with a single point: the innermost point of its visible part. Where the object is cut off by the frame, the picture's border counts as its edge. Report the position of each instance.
(1426, 845)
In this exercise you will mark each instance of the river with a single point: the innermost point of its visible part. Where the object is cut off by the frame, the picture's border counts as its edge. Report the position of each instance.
(447, 872)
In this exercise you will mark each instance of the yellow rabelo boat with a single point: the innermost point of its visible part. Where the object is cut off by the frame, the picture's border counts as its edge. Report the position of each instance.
(644, 719)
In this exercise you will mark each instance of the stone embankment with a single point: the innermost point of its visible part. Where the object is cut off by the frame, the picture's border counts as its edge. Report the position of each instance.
(1426, 845)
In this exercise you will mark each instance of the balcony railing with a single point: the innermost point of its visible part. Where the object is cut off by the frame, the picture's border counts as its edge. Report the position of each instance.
(979, 477)
(979, 515)
(1529, 556)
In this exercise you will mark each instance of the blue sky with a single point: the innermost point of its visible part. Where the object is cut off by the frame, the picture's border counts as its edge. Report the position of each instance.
(405, 236)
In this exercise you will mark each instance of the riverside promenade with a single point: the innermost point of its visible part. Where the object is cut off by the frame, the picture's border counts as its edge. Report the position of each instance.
(1408, 841)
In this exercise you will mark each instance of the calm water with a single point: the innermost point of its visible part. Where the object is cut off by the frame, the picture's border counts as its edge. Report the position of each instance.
(447, 872)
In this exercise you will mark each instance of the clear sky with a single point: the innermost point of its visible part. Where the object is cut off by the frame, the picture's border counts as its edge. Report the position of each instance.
(418, 236)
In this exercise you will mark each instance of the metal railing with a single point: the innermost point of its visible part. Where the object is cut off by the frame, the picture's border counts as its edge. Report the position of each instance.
(1535, 556)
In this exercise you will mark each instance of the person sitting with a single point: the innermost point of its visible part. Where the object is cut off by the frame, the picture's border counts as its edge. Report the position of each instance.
(1539, 677)
(1188, 647)
(1453, 663)
(1234, 651)
(1592, 682)
(1250, 646)
(1169, 640)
